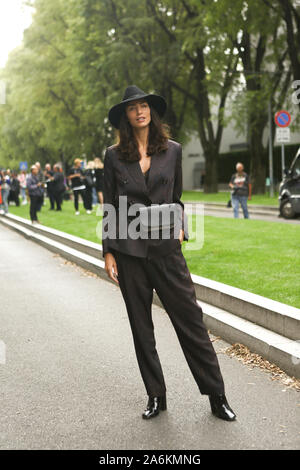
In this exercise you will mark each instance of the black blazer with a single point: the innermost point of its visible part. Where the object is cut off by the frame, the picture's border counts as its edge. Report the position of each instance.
(58, 182)
(124, 178)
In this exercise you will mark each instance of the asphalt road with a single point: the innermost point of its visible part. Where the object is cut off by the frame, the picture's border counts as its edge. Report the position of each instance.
(69, 379)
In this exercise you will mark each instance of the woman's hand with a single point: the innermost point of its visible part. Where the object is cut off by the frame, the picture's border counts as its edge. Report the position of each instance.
(111, 267)
(181, 235)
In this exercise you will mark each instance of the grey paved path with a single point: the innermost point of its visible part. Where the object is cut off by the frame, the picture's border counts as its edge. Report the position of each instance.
(228, 214)
(70, 380)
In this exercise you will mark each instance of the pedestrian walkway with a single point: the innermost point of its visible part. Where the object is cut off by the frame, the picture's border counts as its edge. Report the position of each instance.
(266, 213)
(71, 381)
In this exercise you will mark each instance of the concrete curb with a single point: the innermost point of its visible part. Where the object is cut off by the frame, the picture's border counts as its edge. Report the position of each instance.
(220, 206)
(276, 347)
(275, 316)
(270, 314)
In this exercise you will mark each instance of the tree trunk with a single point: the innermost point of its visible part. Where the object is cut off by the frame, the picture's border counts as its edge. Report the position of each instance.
(211, 171)
(258, 165)
(62, 159)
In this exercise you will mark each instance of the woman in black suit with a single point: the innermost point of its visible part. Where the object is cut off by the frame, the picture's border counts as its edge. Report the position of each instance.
(143, 170)
(99, 172)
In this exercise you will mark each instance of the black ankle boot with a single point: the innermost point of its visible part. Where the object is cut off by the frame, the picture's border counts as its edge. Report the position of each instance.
(154, 405)
(220, 407)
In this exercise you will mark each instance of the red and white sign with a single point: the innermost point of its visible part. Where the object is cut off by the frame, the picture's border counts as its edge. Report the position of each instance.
(282, 118)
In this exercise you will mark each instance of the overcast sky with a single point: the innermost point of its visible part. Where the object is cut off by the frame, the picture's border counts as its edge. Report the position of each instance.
(14, 18)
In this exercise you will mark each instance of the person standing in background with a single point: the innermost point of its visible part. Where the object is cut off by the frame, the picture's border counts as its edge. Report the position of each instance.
(241, 191)
(14, 189)
(48, 174)
(1, 184)
(94, 192)
(22, 179)
(77, 179)
(6, 182)
(99, 172)
(89, 182)
(58, 186)
(40, 177)
(35, 191)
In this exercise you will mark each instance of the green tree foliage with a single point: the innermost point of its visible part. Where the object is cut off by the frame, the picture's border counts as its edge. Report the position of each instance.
(289, 11)
(209, 63)
(256, 34)
(78, 56)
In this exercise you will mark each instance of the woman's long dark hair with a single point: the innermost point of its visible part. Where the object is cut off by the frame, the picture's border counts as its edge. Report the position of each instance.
(157, 142)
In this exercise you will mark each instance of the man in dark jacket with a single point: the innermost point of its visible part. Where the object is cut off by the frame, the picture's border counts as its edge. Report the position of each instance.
(58, 186)
(35, 192)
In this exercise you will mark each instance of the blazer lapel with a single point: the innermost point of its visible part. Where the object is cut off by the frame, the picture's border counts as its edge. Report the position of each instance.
(157, 163)
(135, 171)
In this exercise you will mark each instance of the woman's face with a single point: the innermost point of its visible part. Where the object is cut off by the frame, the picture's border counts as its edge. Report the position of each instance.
(138, 114)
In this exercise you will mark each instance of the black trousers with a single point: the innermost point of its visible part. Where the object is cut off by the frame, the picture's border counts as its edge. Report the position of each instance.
(14, 196)
(34, 207)
(89, 198)
(51, 198)
(58, 198)
(171, 279)
(76, 198)
(40, 202)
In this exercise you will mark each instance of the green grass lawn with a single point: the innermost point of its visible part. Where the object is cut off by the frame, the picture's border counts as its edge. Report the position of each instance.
(82, 225)
(258, 256)
(225, 196)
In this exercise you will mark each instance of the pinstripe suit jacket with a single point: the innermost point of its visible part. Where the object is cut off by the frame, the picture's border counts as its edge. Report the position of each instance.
(124, 178)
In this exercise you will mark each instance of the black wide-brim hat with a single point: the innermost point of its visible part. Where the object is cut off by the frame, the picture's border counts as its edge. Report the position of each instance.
(133, 93)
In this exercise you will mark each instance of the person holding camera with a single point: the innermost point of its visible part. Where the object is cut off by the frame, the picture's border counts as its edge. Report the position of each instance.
(77, 179)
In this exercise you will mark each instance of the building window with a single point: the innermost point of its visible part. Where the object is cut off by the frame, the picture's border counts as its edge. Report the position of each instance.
(242, 146)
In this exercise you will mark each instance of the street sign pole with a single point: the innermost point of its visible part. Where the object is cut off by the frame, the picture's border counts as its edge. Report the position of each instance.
(282, 120)
(270, 152)
(282, 160)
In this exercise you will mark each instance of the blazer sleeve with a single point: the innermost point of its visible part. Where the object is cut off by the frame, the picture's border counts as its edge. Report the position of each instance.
(109, 188)
(177, 192)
